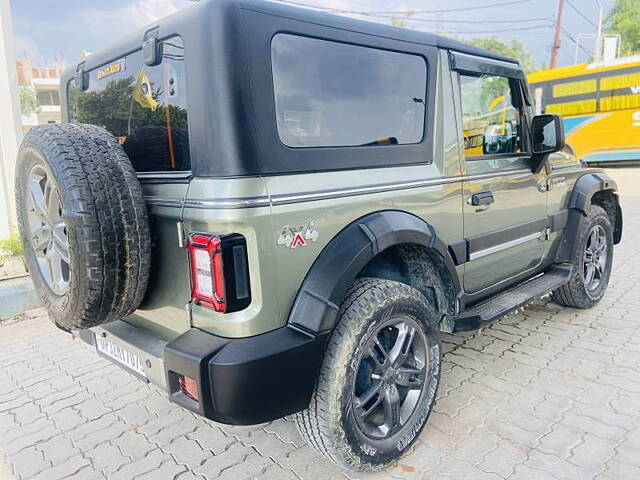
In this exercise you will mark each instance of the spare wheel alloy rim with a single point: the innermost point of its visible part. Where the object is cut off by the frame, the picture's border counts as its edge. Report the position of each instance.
(47, 229)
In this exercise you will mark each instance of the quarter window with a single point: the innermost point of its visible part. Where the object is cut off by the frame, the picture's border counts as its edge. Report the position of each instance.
(492, 123)
(330, 94)
(144, 107)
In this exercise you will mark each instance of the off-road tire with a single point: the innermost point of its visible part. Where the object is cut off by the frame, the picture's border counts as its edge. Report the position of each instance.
(106, 223)
(575, 293)
(327, 424)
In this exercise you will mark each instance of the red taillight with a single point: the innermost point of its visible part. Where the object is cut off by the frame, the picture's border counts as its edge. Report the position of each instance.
(189, 387)
(207, 271)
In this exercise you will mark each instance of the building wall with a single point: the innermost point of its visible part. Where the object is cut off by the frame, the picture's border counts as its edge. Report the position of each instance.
(45, 81)
(10, 134)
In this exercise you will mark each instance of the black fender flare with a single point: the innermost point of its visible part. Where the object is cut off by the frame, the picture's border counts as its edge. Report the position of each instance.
(586, 187)
(583, 191)
(316, 305)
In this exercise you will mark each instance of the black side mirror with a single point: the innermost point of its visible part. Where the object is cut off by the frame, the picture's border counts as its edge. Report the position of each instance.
(547, 137)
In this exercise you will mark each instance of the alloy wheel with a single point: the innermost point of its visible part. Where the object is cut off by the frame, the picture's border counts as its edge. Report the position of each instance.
(47, 229)
(595, 258)
(391, 377)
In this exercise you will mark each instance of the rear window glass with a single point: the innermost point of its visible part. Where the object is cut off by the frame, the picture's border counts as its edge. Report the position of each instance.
(144, 107)
(330, 94)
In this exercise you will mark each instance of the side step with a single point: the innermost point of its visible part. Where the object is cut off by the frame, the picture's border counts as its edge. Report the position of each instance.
(506, 302)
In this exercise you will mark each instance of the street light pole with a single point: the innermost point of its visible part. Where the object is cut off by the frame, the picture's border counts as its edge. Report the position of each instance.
(599, 34)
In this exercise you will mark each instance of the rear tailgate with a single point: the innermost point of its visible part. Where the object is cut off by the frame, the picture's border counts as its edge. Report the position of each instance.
(145, 108)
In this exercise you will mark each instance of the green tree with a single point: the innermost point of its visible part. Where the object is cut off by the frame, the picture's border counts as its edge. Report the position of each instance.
(508, 48)
(28, 100)
(624, 19)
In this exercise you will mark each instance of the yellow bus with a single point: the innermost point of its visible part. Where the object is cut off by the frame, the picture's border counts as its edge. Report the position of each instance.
(600, 104)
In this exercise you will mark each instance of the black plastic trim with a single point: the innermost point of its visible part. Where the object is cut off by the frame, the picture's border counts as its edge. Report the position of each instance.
(585, 187)
(497, 237)
(245, 381)
(236, 272)
(559, 220)
(315, 308)
(258, 379)
(188, 355)
(459, 252)
(617, 231)
(464, 62)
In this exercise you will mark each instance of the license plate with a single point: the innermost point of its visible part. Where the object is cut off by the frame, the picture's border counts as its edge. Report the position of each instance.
(121, 355)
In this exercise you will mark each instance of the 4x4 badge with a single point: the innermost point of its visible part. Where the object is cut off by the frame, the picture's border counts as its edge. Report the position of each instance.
(297, 235)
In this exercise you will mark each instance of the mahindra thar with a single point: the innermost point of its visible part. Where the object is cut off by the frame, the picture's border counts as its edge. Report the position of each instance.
(268, 211)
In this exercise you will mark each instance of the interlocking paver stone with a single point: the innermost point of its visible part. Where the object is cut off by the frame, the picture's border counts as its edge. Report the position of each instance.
(550, 393)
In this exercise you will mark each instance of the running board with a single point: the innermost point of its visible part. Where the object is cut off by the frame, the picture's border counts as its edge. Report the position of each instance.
(484, 313)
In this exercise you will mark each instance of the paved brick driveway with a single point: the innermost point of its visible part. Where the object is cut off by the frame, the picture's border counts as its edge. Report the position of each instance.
(550, 393)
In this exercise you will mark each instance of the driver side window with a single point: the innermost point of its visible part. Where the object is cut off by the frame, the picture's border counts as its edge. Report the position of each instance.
(492, 122)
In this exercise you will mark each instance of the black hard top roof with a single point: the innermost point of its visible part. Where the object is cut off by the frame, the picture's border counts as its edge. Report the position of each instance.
(361, 26)
(228, 10)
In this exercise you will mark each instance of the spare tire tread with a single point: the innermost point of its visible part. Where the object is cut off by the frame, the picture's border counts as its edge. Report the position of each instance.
(137, 267)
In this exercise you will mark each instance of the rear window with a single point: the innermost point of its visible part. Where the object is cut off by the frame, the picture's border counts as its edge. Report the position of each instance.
(144, 107)
(330, 94)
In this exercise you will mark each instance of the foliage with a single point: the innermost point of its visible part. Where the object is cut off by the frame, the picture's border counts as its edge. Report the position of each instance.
(28, 100)
(11, 247)
(398, 22)
(624, 19)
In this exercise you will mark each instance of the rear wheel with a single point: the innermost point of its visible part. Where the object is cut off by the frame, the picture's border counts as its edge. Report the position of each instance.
(364, 416)
(591, 263)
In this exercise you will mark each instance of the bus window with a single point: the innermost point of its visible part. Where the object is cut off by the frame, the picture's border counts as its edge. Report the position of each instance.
(601, 109)
(574, 88)
(572, 108)
(630, 81)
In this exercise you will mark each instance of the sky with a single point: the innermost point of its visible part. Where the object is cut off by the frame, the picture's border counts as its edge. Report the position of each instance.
(50, 30)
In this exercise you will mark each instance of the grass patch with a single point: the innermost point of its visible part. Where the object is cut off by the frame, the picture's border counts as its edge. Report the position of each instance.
(11, 247)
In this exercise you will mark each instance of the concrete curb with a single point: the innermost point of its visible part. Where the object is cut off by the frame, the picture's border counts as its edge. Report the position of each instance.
(16, 296)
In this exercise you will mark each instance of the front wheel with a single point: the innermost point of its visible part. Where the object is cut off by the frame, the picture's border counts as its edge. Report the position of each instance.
(591, 262)
(379, 376)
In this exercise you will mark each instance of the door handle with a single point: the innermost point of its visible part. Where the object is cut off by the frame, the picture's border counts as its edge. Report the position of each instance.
(482, 198)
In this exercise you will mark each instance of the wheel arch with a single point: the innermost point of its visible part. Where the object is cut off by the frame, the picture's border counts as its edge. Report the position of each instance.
(364, 247)
(596, 188)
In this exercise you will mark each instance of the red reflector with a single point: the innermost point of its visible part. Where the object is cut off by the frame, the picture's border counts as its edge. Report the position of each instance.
(189, 387)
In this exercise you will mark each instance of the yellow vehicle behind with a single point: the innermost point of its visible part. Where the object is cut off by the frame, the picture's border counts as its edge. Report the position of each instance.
(600, 104)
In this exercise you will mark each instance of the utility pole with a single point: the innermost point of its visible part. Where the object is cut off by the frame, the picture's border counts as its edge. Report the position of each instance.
(556, 37)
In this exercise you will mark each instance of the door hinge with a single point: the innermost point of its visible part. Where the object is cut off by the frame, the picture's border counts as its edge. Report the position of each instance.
(547, 233)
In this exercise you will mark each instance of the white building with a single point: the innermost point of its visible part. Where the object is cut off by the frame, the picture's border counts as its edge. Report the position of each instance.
(45, 83)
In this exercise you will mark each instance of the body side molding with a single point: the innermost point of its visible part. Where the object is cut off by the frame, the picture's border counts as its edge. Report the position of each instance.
(315, 308)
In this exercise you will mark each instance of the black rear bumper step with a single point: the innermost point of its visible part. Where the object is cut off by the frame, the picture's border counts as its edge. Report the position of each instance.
(504, 303)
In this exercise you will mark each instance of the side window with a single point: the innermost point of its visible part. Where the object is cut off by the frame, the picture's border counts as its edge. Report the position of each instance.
(491, 120)
(330, 94)
(144, 107)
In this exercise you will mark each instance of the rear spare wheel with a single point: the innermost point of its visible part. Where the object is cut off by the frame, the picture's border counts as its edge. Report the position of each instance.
(83, 224)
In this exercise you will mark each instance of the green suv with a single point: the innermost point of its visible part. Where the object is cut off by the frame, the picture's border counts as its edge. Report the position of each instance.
(271, 211)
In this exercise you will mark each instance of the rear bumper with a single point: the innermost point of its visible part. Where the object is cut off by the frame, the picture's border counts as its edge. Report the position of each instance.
(240, 381)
